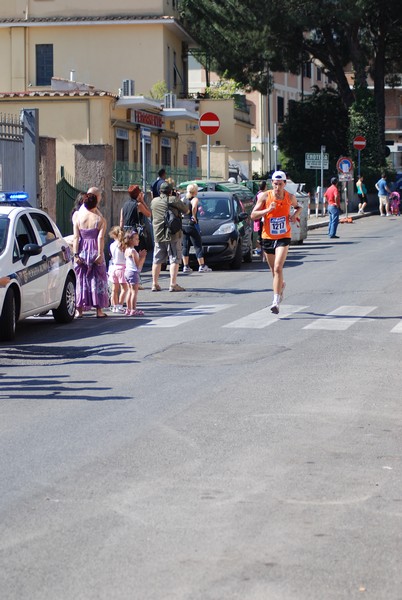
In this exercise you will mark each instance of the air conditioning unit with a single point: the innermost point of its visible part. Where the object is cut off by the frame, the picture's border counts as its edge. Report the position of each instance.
(170, 100)
(128, 87)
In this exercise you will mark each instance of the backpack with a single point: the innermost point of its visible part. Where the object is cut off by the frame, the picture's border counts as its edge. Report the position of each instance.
(154, 188)
(172, 220)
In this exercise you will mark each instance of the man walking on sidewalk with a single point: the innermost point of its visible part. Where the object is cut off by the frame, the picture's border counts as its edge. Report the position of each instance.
(334, 203)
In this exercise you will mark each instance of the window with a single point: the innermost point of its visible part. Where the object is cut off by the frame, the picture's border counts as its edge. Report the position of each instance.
(44, 227)
(307, 70)
(44, 64)
(318, 74)
(166, 156)
(281, 109)
(121, 150)
(23, 235)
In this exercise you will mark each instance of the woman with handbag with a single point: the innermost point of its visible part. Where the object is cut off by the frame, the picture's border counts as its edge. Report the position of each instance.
(191, 232)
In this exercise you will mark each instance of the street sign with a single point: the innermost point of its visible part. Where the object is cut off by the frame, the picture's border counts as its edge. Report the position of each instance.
(346, 176)
(344, 165)
(312, 160)
(209, 123)
(359, 143)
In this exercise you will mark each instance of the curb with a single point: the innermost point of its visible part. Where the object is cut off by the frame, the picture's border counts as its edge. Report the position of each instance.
(325, 220)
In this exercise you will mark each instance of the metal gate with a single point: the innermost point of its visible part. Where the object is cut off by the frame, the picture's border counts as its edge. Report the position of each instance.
(19, 153)
(11, 153)
(67, 192)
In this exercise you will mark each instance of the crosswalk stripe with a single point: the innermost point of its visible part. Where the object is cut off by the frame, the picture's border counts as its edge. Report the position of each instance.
(263, 318)
(397, 328)
(187, 315)
(341, 318)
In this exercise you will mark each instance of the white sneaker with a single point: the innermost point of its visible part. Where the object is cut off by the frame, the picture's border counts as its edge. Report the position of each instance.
(204, 269)
(187, 269)
(275, 308)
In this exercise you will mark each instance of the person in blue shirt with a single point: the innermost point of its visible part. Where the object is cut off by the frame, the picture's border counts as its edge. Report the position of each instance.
(383, 198)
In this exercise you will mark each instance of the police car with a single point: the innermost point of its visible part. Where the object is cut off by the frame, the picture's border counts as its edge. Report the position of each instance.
(36, 267)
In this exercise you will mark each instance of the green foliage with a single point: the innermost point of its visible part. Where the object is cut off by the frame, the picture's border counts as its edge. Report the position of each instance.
(364, 121)
(321, 119)
(223, 89)
(252, 39)
(158, 90)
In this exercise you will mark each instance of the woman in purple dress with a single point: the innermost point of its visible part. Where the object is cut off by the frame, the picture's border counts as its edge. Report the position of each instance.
(90, 265)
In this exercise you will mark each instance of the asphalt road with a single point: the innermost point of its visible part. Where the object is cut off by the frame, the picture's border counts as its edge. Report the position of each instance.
(210, 450)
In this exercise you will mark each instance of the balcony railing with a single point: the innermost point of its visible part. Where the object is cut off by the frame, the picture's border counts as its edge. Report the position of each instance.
(125, 174)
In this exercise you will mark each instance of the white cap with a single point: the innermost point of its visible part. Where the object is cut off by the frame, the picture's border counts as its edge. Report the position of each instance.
(278, 176)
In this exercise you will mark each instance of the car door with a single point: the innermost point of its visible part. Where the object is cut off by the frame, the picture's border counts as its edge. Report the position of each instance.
(53, 247)
(31, 271)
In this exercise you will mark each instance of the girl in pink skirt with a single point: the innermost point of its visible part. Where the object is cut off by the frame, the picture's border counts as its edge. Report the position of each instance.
(117, 266)
(134, 263)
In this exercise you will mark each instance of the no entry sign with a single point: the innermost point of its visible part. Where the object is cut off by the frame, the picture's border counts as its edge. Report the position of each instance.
(359, 143)
(209, 123)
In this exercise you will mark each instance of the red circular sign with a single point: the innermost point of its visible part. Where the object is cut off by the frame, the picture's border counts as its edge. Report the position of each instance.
(359, 143)
(209, 123)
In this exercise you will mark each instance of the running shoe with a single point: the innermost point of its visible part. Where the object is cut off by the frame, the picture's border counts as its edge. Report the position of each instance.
(275, 308)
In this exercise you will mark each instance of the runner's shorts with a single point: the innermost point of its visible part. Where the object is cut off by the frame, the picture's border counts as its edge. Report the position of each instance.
(269, 246)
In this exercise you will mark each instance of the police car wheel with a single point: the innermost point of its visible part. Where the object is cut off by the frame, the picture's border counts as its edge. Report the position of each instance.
(8, 318)
(65, 312)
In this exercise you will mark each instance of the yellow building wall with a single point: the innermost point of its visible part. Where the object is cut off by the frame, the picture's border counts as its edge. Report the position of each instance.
(69, 121)
(102, 56)
(51, 8)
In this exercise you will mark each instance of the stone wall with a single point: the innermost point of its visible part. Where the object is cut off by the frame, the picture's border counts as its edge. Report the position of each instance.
(47, 175)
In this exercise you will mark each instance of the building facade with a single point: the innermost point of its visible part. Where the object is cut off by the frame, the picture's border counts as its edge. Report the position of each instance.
(119, 53)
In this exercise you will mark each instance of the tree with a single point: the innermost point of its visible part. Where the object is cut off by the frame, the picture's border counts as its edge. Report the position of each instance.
(252, 39)
(158, 90)
(321, 119)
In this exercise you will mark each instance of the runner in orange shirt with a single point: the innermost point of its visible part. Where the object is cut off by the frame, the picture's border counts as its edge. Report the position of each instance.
(274, 206)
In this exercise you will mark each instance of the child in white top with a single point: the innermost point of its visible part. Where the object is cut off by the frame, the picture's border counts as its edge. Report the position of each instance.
(134, 263)
(116, 270)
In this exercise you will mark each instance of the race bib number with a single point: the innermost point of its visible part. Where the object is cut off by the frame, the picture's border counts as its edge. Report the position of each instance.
(277, 225)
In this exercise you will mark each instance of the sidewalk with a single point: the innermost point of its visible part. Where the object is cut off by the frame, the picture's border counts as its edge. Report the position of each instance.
(322, 221)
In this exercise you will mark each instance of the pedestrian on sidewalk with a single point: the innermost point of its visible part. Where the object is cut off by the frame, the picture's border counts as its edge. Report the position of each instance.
(192, 232)
(134, 263)
(383, 198)
(362, 194)
(167, 246)
(274, 207)
(334, 203)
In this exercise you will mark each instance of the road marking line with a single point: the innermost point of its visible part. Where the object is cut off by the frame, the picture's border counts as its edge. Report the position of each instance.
(397, 328)
(341, 318)
(187, 315)
(263, 318)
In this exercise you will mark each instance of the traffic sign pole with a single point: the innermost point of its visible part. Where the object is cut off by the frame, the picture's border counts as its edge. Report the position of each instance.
(208, 157)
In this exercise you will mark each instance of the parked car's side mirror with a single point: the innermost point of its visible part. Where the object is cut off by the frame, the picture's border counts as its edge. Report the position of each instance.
(30, 250)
